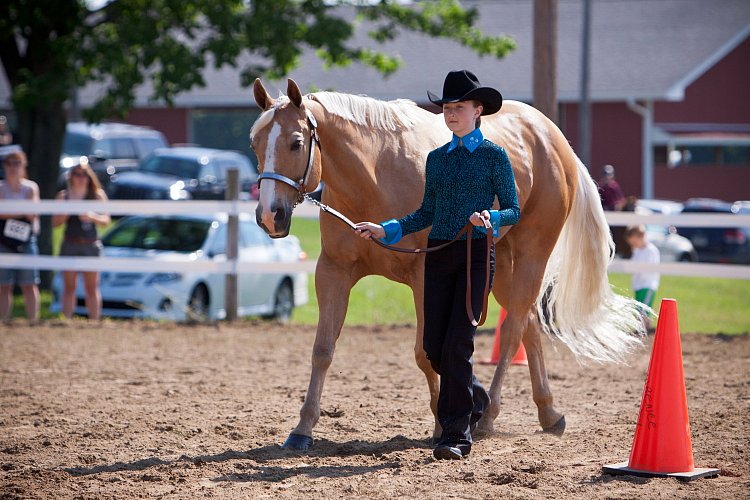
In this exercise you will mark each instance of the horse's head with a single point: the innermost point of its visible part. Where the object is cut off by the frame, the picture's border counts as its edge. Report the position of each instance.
(285, 141)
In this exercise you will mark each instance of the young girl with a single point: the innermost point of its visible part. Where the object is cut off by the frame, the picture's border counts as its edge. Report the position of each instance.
(462, 179)
(81, 238)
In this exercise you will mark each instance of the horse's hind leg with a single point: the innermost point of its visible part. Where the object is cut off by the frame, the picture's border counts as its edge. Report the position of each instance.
(550, 419)
(518, 294)
(332, 285)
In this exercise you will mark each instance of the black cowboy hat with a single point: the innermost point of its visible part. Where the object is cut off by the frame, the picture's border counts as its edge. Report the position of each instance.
(463, 85)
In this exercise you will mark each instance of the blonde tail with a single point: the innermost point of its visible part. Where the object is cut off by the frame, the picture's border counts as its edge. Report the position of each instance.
(577, 304)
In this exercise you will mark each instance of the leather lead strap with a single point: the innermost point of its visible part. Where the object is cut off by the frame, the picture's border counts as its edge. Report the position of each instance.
(465, 230)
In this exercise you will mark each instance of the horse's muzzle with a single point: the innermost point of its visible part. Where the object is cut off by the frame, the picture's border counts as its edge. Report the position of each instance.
(276, 221)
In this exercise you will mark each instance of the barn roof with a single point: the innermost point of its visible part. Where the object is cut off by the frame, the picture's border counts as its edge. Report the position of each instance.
(640, 49)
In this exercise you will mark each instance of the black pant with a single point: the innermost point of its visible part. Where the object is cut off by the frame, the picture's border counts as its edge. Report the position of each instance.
(449, 335)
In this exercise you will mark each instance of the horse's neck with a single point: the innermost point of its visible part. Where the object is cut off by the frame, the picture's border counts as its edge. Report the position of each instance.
(373, 172)
(348, 167)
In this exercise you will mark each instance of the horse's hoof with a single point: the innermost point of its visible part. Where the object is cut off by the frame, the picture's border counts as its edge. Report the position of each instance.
(558, 429)
(298, 442)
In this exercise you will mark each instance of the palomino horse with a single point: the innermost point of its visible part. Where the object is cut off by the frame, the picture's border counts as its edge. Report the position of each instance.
(551, 266)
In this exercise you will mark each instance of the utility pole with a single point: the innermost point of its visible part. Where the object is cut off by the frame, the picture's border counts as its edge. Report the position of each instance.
(584, 116)
(545, 57)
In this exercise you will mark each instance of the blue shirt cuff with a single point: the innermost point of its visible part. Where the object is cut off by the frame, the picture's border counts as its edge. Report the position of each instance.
(393, 232)
(495, 221)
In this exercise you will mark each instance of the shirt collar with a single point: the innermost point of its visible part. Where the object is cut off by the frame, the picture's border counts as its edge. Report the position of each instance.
(470, 141)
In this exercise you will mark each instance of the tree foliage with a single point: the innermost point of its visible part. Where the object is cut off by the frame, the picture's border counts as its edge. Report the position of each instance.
(48, 48)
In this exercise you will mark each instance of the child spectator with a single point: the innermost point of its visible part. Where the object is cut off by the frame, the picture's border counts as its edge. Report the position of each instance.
(644, 284)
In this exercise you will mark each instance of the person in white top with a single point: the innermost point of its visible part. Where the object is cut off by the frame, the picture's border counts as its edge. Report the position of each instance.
(644, 284)
(18, 235)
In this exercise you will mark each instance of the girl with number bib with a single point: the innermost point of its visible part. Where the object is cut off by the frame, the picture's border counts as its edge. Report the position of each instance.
(18, 234)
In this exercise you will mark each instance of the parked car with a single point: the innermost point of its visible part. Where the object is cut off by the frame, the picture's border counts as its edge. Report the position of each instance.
(112, 148)
(192, 295)
(185, 173)
(742, 207)
(717, 244)
(672, 247)
(665, 207)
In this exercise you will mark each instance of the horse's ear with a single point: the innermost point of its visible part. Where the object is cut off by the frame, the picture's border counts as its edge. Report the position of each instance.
(293, 92)
(262, 98)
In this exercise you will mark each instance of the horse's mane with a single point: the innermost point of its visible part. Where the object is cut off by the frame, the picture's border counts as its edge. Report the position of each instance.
(393, 115)
(399, 114)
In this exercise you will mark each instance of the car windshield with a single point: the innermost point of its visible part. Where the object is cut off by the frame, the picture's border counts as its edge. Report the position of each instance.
(151, 233)
(177, 167)
(77, 144)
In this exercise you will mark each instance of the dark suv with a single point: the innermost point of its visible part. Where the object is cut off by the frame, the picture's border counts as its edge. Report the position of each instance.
(184, 173)
(112, 148)
(717, 244)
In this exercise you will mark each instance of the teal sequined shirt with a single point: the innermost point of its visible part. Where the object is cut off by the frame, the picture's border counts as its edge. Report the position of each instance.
(461, 180)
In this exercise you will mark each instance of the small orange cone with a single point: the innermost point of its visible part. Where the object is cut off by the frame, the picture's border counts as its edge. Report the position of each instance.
(518, 359)
(662, 446)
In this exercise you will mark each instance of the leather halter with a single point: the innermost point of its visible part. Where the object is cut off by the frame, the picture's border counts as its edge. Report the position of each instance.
(301, 185)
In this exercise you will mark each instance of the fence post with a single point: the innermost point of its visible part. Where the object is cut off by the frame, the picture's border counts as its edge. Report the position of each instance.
(233, 225)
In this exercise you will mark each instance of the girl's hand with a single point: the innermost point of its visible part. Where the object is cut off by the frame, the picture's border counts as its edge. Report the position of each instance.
(478, 219)
(369, 230)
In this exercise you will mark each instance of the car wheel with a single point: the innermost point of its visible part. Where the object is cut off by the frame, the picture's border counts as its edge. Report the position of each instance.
(197, 308)
(283, 302)
(686, 257)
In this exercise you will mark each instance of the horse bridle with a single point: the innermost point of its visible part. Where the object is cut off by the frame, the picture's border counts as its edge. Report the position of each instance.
(301, 185)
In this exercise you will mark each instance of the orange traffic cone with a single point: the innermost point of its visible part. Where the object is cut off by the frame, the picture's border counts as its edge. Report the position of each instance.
(662, 446)
(518, 359)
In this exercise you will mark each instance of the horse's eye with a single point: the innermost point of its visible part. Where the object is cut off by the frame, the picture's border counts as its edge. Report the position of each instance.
(296, 145)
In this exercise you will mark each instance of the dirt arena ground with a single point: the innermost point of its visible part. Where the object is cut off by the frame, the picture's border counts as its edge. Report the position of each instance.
(143, 410)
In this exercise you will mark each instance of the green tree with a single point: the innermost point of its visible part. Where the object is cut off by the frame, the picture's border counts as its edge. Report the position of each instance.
(50, 47)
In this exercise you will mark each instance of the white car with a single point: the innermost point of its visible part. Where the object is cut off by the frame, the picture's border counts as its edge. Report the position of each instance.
(665, 207)
(672, 247)
(193, 295)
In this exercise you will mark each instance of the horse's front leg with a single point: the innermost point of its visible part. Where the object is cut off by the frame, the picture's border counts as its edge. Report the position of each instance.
(332, 286)
(433, 382)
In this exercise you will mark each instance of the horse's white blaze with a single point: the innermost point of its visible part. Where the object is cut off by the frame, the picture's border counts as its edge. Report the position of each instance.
(268, 192)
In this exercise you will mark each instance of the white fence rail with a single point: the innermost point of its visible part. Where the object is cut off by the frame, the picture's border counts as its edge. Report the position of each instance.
(121, 207)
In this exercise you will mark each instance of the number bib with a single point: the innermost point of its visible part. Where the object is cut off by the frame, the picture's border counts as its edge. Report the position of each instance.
(17, 230)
